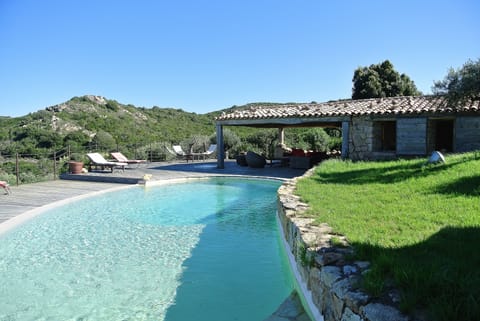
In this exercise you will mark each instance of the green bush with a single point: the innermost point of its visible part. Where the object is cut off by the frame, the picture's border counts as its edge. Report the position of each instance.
(112, 105)
(9, 178)
(30, 170)
(76, 140)
(155, 152)
(103, 140)
(198, 143)
(309, 139)
(79, 157)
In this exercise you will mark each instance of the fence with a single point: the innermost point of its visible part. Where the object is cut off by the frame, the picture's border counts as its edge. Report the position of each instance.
(42, 165)
(18, 168)
(29, 168)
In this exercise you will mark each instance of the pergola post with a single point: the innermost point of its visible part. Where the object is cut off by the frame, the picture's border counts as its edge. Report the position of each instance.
(220, 148)
(345, 140)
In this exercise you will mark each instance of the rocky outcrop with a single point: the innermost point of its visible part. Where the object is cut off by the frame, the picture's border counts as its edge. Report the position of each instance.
(85, 103)
(57, 108)
(97, 99)
(321, 261)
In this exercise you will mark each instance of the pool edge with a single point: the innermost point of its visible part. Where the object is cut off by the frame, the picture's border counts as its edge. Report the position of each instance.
(301, 287)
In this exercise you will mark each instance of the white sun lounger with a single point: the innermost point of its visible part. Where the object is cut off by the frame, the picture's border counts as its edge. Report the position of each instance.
(97, 160)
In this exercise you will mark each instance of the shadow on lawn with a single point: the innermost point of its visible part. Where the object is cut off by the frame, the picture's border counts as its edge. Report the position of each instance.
(440, 275)
(469, 186)
(384, 175)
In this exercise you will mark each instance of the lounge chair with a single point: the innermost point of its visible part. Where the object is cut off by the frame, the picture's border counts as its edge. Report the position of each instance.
(181, 154)
(6, 187)
(171, 152)
(177, 149)
(97, 160)
(210, 151)
(119, 157)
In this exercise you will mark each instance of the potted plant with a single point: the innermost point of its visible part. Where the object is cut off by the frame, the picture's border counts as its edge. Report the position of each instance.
(75, 165)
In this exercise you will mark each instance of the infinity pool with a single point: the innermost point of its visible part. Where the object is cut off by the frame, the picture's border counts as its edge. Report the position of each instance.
(203, 250)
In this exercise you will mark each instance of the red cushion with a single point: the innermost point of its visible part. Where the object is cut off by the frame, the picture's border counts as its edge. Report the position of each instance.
(298, 152)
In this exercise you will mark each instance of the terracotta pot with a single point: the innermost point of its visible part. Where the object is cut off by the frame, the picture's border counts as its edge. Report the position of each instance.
(75, 167)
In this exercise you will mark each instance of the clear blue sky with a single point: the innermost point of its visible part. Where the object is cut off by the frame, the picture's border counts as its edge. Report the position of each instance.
(202, 56)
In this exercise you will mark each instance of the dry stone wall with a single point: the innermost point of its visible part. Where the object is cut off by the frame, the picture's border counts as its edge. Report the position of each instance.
(361, 138)
(333, 281)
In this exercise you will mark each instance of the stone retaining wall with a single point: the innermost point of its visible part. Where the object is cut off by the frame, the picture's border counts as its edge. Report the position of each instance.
(331, 279)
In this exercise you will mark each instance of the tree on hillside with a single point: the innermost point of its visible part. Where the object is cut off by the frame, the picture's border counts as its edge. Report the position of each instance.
(103, 141)
(461, 84)
(381, 80)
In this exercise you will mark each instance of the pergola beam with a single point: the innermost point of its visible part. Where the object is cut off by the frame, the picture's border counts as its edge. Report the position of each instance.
(285, 122)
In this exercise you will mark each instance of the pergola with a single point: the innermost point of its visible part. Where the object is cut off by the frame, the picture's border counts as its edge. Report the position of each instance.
(278, 116)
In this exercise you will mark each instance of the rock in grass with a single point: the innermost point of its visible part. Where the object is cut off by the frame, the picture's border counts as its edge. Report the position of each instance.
(436, 157)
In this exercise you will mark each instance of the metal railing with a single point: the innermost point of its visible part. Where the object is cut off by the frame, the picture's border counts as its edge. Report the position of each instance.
(18, 168)
(30, 168)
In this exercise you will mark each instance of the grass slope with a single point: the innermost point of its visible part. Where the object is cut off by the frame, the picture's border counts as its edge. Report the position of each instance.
(418, 224)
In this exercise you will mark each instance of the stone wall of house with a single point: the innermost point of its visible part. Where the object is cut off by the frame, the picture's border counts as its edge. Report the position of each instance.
(415, 136)
(467, 134)
(330, 278)
(360, 142)
(364, 138)
(412, 136)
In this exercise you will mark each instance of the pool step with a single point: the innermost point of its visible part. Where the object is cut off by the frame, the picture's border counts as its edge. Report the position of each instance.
(291, 309)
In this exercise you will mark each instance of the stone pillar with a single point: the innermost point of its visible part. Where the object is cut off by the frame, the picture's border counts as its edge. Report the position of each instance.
(345, 138)
(220, 148)
(281, 135)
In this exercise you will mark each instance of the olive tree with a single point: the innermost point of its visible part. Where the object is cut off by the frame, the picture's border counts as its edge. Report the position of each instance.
(460, 84)
(381, 80)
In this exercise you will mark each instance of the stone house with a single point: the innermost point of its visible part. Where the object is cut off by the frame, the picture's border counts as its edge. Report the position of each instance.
(377, 128)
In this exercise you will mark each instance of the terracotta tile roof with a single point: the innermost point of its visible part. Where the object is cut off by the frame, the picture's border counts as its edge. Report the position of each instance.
(375, 106)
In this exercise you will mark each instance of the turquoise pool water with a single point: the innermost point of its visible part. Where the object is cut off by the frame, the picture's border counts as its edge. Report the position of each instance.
(203, 250)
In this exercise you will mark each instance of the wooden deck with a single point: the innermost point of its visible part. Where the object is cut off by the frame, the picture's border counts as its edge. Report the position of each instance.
(31, 196)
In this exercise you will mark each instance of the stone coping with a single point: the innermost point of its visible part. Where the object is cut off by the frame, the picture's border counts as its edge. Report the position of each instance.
(332, 281)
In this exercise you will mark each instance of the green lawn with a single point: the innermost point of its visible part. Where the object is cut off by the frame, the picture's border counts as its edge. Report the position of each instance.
(418, 224)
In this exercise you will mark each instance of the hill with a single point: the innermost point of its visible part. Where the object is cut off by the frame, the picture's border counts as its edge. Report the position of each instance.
(95, 119)
(97, 123)
(93, 123)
